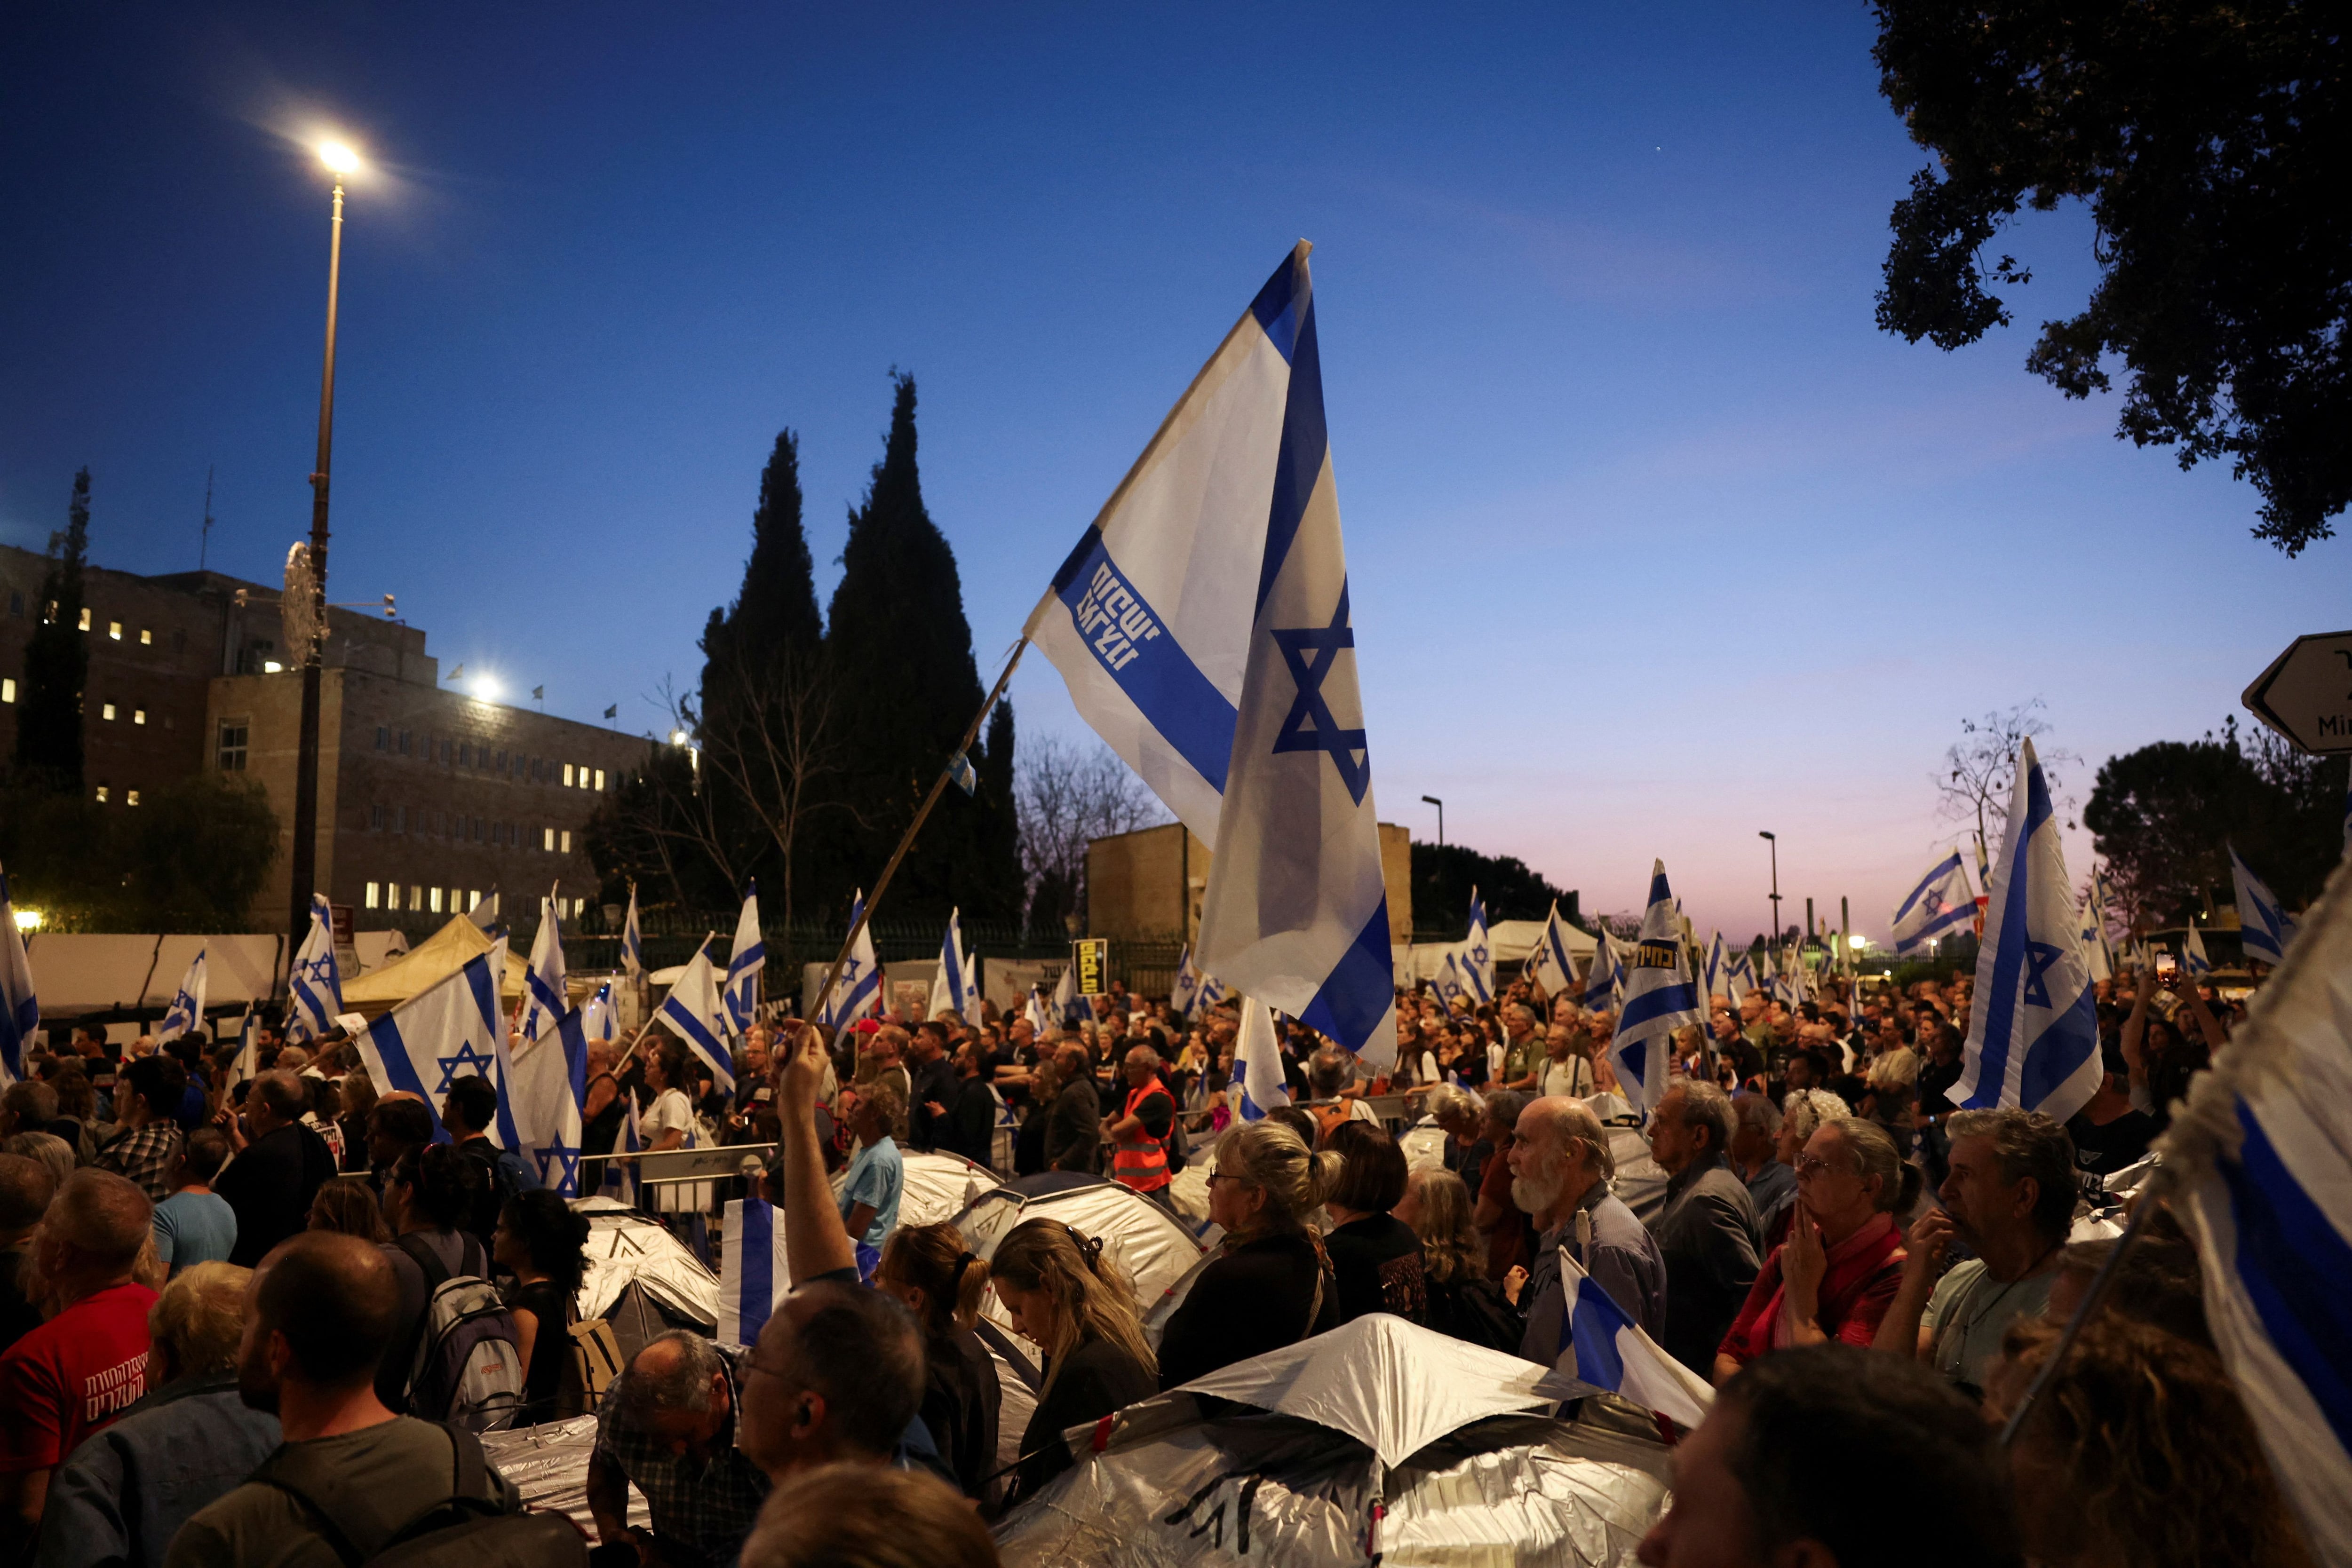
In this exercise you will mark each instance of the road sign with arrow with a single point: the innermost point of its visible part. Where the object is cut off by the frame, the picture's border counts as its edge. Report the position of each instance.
(2306, 693)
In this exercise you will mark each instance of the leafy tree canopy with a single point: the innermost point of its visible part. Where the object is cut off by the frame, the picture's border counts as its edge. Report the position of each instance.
(192, 858)
(56, 659)
(2209, 140)
(1444, 876)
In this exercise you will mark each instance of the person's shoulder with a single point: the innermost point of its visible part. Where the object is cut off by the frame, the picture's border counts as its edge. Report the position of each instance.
(1956, 1280)
(252, 1524)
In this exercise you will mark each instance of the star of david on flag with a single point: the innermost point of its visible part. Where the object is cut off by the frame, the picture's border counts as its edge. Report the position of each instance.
(314, 989)
(547, 1087)
(859, 989)
(1477, 953)
(1938, 906)
(187, 1012)
(449, 1028)
(544, 998)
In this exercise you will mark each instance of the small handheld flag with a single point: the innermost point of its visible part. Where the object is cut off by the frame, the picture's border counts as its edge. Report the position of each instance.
(1659, 1000)
(1477, 953)
(1184, 991)
(695, 1013)
(960, 769)
(314, 989)
(949, 993)
(2264, 928)
(2192, 951)
(632, 944)
(1257, 1063)
(1550, 965)
(1940, 906)
(544, 998)
(1601, 1347)
(748, 956)
(1069, 1007)
(187, 1012)
(1605, 979)
(859, 989)
(547, 1087)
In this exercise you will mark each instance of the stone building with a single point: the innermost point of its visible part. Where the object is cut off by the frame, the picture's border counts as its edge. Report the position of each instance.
(1148, 884)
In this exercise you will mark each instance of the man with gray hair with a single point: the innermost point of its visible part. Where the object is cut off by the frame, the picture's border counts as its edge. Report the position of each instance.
(1706, 1230)
(1561, 1170)
(276, 1170)
(668, 1427)
(1756, 1160)
(1138, 1135)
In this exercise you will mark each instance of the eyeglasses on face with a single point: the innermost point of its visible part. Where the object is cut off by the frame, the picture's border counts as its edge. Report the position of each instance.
(1813, 1165)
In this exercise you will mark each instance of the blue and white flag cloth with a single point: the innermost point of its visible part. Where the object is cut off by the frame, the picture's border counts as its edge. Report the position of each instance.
(1212, 991)
(748, 956)
(1659, 1000)
(1479, 953)
(949, 987)
(1550, 965)
(752, 1274)
(449, 1031)
(2264, 1153)
(20, 1010)
(1738, 976)
(1713, 971)
(2096, 955)
(1603, 1348)
(1941, 906)
(1184, 991)
(2264, 928)
(620, 1180)
(1034, 1010)
(633, 942)
(1069, 1005)
(544, 1000)
(186, 1015)
(246, 1067)
(859, 989)
(2192, 951)
(1604, 977)
(1447, 982)
(547, 1090)
(314, 989)
(1296, 912)
(1257, 1063)
(694, 1012)
(600, 1019)
(2033, 1030)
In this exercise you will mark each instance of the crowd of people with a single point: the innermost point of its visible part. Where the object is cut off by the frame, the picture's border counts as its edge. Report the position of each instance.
(224, 1305)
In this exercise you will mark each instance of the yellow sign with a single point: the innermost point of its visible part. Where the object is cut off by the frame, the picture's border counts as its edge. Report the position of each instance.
(1093, 958)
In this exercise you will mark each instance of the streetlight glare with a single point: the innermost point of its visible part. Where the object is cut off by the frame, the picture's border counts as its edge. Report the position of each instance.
(486, 687)
(338, 157)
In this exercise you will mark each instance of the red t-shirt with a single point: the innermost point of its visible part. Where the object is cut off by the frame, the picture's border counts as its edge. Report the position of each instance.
(72, 1376)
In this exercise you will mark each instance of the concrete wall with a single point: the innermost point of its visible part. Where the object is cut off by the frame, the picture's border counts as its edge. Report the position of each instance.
(1148, 884)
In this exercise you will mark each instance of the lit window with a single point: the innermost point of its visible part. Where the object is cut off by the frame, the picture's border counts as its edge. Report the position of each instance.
(473, 900)
(567, 841)
(599, 780)
(8, 691)
(105, 711)
(146, 637)
(551, 838)
(436, 900)
(567, 775)
(131, 797)
(416, 896)
(101, 794)
(372, 896)
(114, 629)
(85, 617)
(391, 895)
(139, 716)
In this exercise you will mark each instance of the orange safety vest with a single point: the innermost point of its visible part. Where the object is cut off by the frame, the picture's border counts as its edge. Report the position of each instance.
(1142, 1166)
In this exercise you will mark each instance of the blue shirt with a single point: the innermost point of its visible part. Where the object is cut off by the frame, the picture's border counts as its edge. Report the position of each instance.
(193, 1228)
(877, 1176)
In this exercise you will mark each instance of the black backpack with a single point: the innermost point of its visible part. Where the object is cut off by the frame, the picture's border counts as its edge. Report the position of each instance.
(467, 1528)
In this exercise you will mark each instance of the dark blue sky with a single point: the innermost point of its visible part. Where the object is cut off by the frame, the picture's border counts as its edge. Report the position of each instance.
(1655, 539)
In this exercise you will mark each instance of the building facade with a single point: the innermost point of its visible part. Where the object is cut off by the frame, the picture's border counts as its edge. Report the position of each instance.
(1148, 884)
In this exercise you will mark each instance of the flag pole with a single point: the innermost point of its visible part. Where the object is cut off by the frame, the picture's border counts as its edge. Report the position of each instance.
(907, 839)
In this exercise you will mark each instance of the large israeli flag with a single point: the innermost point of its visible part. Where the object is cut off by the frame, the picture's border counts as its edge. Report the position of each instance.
(314, 989)
(547, 1085)
(544, 997)
(1601, 1347)
(694, 1012)
(949, 992)
(1479, 953)
(2264, 1153)
(2033, 1032)
(1659, 1000)
(1550, 965)
(744, 963)
(633, 942)
(20, 1010)
(187, 1010)
(1257, 1063)
(1604, 977)
(860, 987)
(449, 1031)
(1941, 904)
(1149, 620)
(2264, 928)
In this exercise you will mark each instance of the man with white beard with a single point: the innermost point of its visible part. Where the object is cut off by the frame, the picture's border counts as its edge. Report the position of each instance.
(1561, 1170)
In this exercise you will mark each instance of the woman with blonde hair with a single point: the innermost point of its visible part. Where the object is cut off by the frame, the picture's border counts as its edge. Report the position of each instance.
(1463, 1302)
(941, 1282)
(1076, 1306)
(1270, 1284)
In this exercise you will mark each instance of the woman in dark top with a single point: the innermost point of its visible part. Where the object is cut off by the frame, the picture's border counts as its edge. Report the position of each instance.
(606, 1106)
(1376, 1260)
(1065, 1297)
(1029, 1143)
(1269, 1285)
(929, 1267)
(544, 1246)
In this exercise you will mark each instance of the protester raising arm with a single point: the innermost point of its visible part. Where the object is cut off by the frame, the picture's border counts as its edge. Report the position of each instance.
(815, 1242)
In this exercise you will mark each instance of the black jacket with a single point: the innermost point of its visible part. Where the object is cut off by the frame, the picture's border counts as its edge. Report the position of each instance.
(270, 1185)
(1074, 1134)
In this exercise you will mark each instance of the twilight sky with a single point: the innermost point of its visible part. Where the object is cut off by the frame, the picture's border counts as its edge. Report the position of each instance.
(1655, 541)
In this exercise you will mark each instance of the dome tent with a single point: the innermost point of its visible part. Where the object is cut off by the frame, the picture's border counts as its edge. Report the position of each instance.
(640, 1278)
(1377, 1441)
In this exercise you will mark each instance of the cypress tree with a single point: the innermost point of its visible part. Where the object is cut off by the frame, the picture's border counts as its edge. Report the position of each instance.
(57, 658)
(995, 848)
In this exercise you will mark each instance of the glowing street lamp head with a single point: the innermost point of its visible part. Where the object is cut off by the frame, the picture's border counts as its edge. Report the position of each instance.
(486, 687)
(339, 158)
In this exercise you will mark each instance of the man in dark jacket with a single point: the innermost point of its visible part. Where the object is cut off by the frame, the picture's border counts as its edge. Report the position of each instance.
(1707, 1229)
(1073, 1128)
(279, 1167)
(467, 1111)
(931, 1088)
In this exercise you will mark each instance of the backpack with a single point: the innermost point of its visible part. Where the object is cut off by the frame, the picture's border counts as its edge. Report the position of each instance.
(590, 1365)
(467, 1368)
(467, 1528)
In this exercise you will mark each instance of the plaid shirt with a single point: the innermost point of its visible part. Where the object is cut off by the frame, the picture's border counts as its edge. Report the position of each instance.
(143, 1156)
(709, 1504)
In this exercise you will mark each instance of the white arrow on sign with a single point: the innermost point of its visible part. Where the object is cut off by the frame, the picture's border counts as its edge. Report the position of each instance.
(2307, 694)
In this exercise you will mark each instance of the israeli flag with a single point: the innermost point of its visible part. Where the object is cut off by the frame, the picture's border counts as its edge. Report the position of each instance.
(449, 1031)
(1257, 1063)
(633, 942)
(544, 997)
(1604, 979)
(1477, 953)
(1448, 982)
(744, 965)
(2192, 951)
(621, 1176)
(1738, 976)
(246, 1067)
(1549, 966)
(2264, 928)
(485, 914)
(1035, 1012)
(2099, 961)
(1941, 904)
(2263, 1155)
(187, 1012)
(950, 990)
(20, 1010)
(547, 1085)
(1069, 1007)
(1601, 1347)
(601, 1019)
(695, 1013)
(2033, 1032)
(1184, 992)
(1659, 1000)
(1212, 991)
(859, 989)
(752, 1274)
(314, 990)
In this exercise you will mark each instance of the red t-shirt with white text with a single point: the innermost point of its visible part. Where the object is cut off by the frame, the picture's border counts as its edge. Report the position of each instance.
(72, 1376)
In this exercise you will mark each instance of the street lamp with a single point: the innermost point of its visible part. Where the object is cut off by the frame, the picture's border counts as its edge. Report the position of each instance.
(1441, 818)
(338, 160)
(1775, 843)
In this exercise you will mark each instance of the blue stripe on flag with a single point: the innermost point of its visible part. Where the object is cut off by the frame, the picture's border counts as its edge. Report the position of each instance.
(1277, 305)
(1359, 991)
(1304, 443)
(402, 1069)
(2297, 1271)
(757, 1276)
(1649, 1005)
(1590, 1321)
(1944, 868)
(1155, 672)
(2053, 1055)
(2000, 1007)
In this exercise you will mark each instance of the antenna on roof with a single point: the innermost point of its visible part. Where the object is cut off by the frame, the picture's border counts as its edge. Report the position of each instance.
(205, 547)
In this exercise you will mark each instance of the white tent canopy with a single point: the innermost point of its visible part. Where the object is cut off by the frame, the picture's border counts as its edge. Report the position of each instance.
(1508, 941)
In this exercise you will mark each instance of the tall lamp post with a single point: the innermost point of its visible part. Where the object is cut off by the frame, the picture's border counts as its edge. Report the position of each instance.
(1441, 818)
(1775, 843)
(340, 161)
